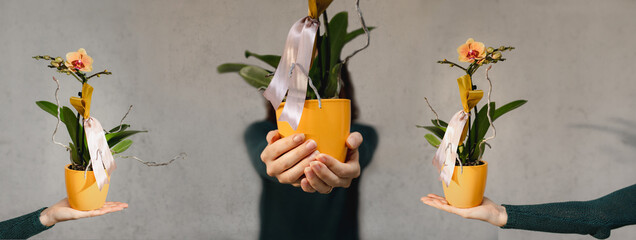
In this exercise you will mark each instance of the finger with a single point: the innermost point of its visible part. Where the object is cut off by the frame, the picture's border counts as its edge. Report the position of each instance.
(304, 184)
(442, 199)
(354, 140)
(272, 136)
(281, 146)
(108, 207)
(116, 204)
(291, 158)
(350, 169)
(293, 174)
(328, 176)
(352, 155)
(316, 183)
(442, 204)
(434, 202)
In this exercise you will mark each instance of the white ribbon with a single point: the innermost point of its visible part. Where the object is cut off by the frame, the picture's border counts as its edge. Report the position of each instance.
(446, 154)
(101, 157)
(298, 51)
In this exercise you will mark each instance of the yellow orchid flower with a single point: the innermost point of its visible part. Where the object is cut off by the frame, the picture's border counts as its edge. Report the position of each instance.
(83, 105)
(79, 61)
(469, 97)
(471, 51)
(317, 7)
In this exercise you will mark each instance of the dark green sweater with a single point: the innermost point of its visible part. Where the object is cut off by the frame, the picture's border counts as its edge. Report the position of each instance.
(286, 212)
(22, 227)
(595, 217)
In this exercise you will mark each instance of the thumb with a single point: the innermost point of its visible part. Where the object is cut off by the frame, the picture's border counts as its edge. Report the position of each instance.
(354, 140)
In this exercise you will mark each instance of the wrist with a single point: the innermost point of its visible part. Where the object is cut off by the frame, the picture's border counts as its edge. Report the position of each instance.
(502, 217)
(46, 219)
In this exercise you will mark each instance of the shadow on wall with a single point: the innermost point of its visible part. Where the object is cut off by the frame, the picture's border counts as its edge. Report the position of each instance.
(620, 127)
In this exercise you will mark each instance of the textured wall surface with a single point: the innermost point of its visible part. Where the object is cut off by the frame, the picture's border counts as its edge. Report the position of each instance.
(574, 140)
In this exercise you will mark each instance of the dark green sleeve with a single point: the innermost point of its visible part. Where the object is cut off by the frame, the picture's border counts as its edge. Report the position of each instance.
(22, 227)
(596, 217)
(255, 142)
(369, 143)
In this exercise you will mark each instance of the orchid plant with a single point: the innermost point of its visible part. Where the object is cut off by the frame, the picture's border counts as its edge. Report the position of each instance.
(326, 67)
(472, 143)
(79, 64)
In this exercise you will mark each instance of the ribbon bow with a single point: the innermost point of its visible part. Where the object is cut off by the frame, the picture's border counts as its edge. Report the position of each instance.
(101, 157)
(291, 76)
(446, 154)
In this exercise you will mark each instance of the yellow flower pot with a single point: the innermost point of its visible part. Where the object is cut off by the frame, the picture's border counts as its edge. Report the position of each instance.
(466, 188)
(83, 194)
(329, 126)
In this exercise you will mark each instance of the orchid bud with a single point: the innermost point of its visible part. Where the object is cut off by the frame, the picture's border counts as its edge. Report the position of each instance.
(496, 55)
(490, 49)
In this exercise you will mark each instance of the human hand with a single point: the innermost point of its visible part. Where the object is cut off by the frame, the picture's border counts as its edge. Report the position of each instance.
(327, 172)
(62, 211)
(488, 211)
(286, 158)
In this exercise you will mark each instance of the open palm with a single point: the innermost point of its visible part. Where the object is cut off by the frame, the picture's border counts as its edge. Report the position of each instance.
(488, 211)
(62, 211)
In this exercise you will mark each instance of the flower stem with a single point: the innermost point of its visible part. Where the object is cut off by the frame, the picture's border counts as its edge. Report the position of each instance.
(76, 77)
(80, 135)
(99, 73)
(452, 64)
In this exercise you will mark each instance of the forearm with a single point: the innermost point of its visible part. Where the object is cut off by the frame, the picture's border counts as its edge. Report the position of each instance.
(22, 227)
(596, 217)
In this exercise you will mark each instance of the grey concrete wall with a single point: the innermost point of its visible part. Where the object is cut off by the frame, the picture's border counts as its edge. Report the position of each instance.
(574, 140)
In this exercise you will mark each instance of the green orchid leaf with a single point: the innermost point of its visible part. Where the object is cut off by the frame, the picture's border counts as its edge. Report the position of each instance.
(482, 149)
(119, 128)
(435, 130)
(462, 154)
(434, 141)
(442, 124)
(114, 138)
(331, 89)
(255, 76)
(478, 151)
(355, 33)
(507, 108)
(479, 129)
(74, 155)
(271, 60)
(316, 78)
(337, 34)
(122, 146)
(230, 67)
(481, 125)
(48, 107)
(67, 116)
